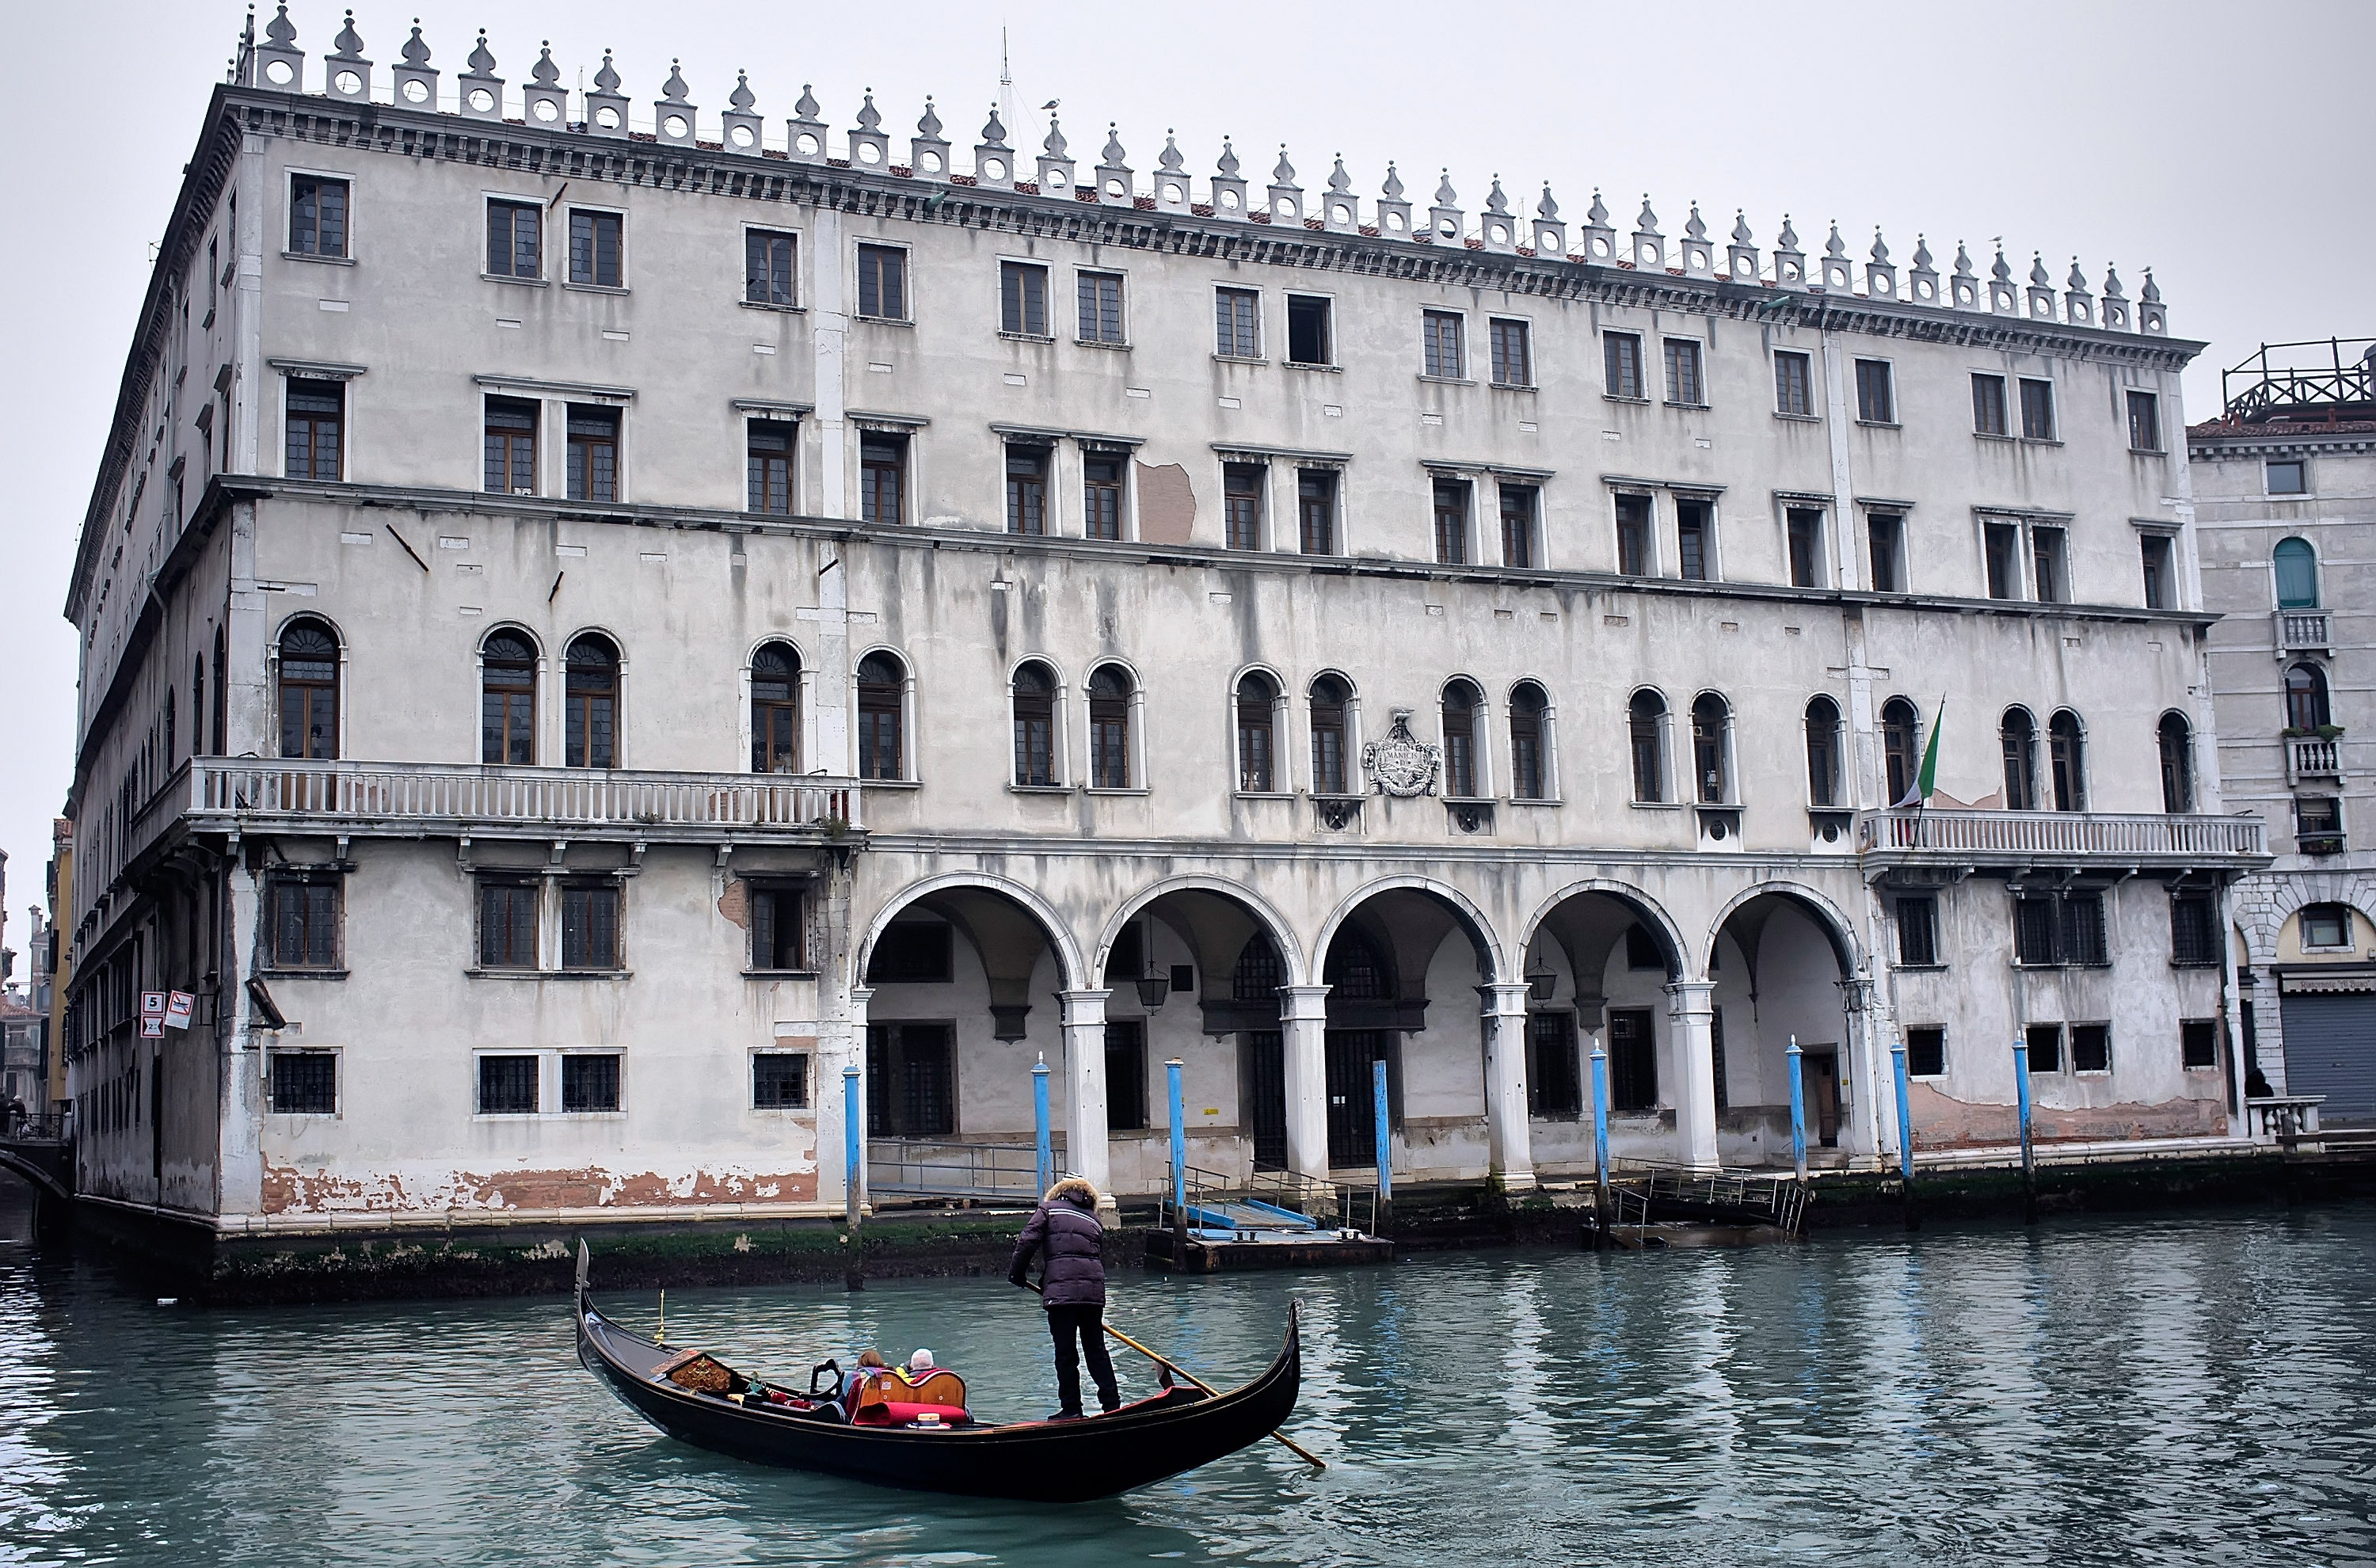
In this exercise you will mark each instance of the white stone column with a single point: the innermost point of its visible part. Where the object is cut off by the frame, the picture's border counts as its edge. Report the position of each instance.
(1085, 1091)
(837, 1050)
(1509, 1139)
(239, 1113)
(1691, 1012)
(1303, 1037)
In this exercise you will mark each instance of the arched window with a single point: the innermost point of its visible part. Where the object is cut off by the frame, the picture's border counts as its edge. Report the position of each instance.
(1530, 774)
(1822, 752)
(1646, 720)
(1711, 746)
(589, 715)
(2177, 738)
(1355, 972)
(2306, 697)
(882, 690)
(2017, 737)
(1257, 702)
(1331, 702)
(169, 741)
(1109, 693)
(1901, 750)
(508, 701)
(309, 689)
(1461, 701)
(220, 726)
(2066, 759)
(776, 709)
(1035, 724)
(2296, 571)
(1256, 978)
(197, 704)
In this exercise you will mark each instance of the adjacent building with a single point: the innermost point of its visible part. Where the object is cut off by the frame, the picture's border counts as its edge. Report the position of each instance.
(2285, 488)
(592, 634)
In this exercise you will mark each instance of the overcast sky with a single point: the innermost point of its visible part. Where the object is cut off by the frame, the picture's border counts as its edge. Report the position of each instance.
(2228, 147)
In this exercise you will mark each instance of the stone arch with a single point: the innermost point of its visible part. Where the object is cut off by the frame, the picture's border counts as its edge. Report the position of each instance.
(1830, 919)
(1480, 930)
(1660, 923)
(1077, 976)
(1265, 914)
(2261, 908)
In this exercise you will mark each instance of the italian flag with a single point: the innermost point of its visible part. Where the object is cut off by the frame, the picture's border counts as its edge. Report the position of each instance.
(1927, 778)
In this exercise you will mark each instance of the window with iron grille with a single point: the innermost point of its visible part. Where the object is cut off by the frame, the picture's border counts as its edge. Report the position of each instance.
(1310, 336)
(1102, 497)
(1621, 355)
(2198, 1043)
(2036, 931)
(2037, 418)
(1926, 1051)
(1876, 394)
(1241, 506)
(1237, 322)
(317, 217)
(305, 1083)
(507, 1085)
(2145, 422)
(780, 1080)
(912, 953)
(1989, 416)
(1917, 933)
(2194, 930)
(910, 1081)
(766, 267)
(1451, 512)
(507, 921)
(882, 282)
(1256, 976)
(1633, 1061)
(1684, 384)
(1514, 358)
(1027, 490)
(779, 926)
(593, 454)
(1126, 1075)
(1793, 391)
(590, 926)
(1442, 352)
(594, 248)
(1554, 1087)
(304, 916)
(769, 455)
(1022, 298)
(2082, 930)
(514, 239)
(590, 1081)
(315, 423)
(1100, 307)
(511, 447)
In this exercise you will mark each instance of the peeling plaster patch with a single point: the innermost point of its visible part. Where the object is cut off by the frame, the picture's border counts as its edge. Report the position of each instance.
(742, 1243)
(735, 903)
(1941, 1122)
(290, 1190)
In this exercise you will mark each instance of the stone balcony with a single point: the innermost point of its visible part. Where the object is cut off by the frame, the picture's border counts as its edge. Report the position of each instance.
(2312, 756)
(2298, 631)
(1974, 838)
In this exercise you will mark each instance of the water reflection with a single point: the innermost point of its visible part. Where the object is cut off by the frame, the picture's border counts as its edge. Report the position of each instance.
(2136, 1393)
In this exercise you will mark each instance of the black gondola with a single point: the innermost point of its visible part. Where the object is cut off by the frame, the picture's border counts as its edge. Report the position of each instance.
(1028, 1461)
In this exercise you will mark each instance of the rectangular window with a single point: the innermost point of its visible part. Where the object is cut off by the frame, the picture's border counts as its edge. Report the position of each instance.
(2044, 1042)
(881, 478)
(511, 447)
(882, 282)
(1633, 1061)
(1442, 351)
(594, 249)
(1315, 510)
(2287, 477)
(912, 953)
(2082, 930)
(1309, 335)
(1520, 504)
(780, 1080)
(1620, 355)
(1554, 1087)
(1100, 306)
(1683, 384)
(1241, 506)
(589, 927)
(305, 1083)
(2036, 931)
(590, 1081)
(1237, 323)
(769, 453)
(766, 267)
(2153, 550)
(2045, 562)
(2145, 422)
(1022, 298)
(1925, 1052)
(2194, 930)
(507, 925)
(1027, 490)
(2091, 1048)
(2198, 1043)
(2003, 543)
(2325, 925)
(593, 454)
(1876, 397)
(514, 239)
(1451, 510)
(1634, 536)
(2318, 820)
(1102, 497)
(1988, 417)
(1641, 949)
(1793, 393)
(1917, 933)
(1514, 357)
(507, 1085)
(1126, 1076)
(317, 217)
(1885, 551)
(1806, 528)
(1694, 539)
(2037, 425)
(316, 425)
(779, 927)
(305, 925)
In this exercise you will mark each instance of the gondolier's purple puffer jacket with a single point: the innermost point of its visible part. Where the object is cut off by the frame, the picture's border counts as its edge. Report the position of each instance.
(1067, 1225)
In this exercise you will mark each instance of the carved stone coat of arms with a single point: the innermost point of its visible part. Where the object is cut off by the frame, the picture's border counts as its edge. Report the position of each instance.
(1402, 764)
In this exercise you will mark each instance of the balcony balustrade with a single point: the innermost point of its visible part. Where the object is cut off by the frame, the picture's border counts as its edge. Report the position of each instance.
(2004, 837)
(2312, 756)
(2298, 631)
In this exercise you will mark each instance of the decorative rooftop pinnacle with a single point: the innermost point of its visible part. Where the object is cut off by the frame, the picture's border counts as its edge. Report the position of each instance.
(2002, 270)
(1648, 222)
(1285, 173)
(607, 78)
(1445, 195)
(1393, 188)
(1114, 152)
(1598, 215)
(1171, 162)
(2077, 280)
(1963, 261)
(1692, 227)
(1547, 209)
(808, 108)
(993, 133)
(1921, 252)
(2152, 294)
(280, 29)
(416, 52)
(349, 43)
(1788, 238)
(1740, 230)
(544, 70)
(1880, 251)
(743, 98)
(676, 87)
(1835, 246)
(868, 117)
(2038, 273)
(1495, 202)
(1228, 164)
(1054, 144)
(2113, 283)
(1340, 180)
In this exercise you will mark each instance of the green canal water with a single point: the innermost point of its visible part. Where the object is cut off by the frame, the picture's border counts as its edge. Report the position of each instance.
(2191, 1390)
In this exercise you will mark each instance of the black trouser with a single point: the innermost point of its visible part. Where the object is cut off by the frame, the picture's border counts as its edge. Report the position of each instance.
(1080, 1331)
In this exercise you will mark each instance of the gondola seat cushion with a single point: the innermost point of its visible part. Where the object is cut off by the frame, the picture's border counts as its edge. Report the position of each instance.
(899, 1412)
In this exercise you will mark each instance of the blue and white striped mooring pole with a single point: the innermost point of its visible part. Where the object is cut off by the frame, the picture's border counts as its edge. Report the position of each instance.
(1798, 1112)
(1042, 1142)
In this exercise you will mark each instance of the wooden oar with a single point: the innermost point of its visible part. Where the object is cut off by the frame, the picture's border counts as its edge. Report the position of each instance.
(1167, 1363)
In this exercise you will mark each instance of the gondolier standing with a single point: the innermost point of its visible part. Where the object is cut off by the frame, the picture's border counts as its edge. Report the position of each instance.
(1073, 1288)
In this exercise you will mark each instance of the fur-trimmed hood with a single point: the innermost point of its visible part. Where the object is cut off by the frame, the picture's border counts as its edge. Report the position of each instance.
(1077, 1190)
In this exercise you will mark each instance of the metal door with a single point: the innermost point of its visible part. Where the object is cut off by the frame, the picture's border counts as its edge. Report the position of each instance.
(1265, 1092)
(1352, 1117)
(2330, 1050)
